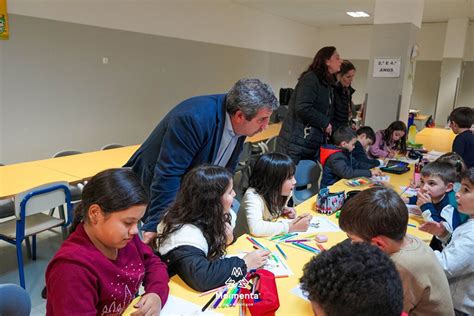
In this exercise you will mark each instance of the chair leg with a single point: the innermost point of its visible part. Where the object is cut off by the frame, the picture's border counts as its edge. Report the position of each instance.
(51, 211)
(63, 217)
(28, 247)
(19, 258)
(34, 247)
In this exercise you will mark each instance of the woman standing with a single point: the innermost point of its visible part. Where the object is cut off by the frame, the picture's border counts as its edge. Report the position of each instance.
(307, 123)
(343, 95)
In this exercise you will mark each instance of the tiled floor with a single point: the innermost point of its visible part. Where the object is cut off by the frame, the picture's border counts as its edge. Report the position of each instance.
(47, 244)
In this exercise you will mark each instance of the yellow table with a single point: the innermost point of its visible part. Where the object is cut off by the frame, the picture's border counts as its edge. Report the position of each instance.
(24, 176)
(85, 166)
(271, 131)
(439, 139)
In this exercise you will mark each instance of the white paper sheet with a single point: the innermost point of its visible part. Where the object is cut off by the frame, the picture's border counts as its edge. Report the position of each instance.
(278, 267)
(298, 292)
(320, 224)
(176, 306)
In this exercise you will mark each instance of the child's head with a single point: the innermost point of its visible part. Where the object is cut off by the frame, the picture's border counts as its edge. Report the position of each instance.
(353, 279)
(273, 178)
(437, 178)
(203, 200)
(344, 137)
(377, 215)
(462, 117)
(396, 132)
(113, 202)
(465, 196)
(366, 136)
(456, 161)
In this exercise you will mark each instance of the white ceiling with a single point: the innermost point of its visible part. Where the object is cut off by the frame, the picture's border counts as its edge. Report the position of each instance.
(324, 13)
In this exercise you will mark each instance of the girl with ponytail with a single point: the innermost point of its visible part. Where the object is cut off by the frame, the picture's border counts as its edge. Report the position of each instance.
(100, 267)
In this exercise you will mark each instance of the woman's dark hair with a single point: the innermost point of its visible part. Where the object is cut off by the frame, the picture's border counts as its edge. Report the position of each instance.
(113, 190)
(401, 144)
(319, 67)
(198, 202)
(373, 212)
(268, 175)
(346, 66)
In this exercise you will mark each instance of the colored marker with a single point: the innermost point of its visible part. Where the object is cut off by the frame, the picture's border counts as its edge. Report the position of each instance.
(209, 302)
(305, 247)
(411, 225)
(281, 251)
(258, 244)
(297, 240)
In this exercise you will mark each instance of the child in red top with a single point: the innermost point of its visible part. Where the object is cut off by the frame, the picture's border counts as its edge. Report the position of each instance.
(100, 267)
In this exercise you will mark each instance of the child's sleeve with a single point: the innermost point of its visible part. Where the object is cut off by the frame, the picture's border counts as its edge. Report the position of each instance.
(457, 257)
(340, 166)
(156, 274)
(375, 150)
(200, 273)
(71, 290)
(253, 207)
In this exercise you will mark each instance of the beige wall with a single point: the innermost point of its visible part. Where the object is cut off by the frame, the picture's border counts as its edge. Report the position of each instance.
(58, 95)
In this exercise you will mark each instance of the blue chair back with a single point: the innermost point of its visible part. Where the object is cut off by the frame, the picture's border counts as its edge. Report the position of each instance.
(307, 177)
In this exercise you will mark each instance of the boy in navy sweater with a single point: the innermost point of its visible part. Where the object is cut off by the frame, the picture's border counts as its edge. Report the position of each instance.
(338, 162)
(461, 120)
(365, 138)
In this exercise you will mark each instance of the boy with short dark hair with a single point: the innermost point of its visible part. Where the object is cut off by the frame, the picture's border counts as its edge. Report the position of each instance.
(461, 120)
(436, 199)
(365, 138)
(379, 216)
(353, 279)
(338, 162)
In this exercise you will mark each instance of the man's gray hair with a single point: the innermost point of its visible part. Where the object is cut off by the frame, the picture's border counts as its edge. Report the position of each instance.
(250, 95)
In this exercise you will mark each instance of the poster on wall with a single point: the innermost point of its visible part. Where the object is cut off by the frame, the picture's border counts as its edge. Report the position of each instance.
(387, 67)
(3, 20)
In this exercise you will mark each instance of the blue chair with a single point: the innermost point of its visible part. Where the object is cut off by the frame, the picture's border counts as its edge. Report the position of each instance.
(30, 220)
(14, 300)
(307, 175)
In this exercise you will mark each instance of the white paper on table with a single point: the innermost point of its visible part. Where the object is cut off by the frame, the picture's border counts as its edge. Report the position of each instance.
(414, 209)
(176, 306)
(433, 155)
(380, 178)
(320, 224)
(409, 191)
(298, 292)
(279, 268)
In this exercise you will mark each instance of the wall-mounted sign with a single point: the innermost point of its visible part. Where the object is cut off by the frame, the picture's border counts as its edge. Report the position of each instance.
(387, 67)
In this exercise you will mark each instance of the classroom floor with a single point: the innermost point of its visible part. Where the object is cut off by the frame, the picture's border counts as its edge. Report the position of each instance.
(47, 244)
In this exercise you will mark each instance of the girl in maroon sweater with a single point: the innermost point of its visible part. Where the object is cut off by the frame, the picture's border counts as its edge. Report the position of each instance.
(100, 267)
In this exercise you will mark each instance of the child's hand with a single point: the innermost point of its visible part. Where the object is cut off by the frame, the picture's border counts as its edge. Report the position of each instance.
(423, 198)
(301, 223)
(229, 234)
(256, 259)
(149, 304)
(405, 200)
(376, 172)
(289, 212)
(434, 228)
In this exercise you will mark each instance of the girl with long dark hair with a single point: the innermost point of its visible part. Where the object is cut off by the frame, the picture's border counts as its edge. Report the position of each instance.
(390, 141)
(99, 269)
(196, 229)
(265, 201)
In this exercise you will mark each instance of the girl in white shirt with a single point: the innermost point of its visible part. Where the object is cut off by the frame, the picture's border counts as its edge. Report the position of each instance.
(265, 201)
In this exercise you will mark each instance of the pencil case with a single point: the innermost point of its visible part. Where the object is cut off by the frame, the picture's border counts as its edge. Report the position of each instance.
(267, 302)
(329, 203)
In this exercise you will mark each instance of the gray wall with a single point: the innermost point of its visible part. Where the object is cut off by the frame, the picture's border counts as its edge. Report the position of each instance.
(57, 94)
(466, 89)
(425, 87)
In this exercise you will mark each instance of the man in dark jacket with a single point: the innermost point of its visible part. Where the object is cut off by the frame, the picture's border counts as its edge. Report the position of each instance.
(204, 129)
(365, 138)
(338, 162)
